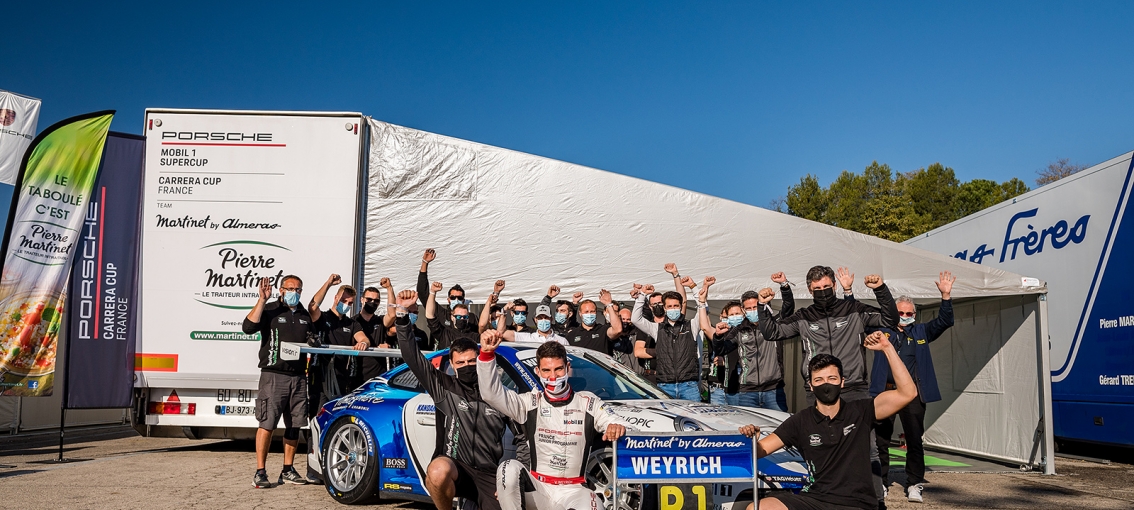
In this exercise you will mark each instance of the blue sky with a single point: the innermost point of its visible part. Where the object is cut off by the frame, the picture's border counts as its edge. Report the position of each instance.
(737, 100)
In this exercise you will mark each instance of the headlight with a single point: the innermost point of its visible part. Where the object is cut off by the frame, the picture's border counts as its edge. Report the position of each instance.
(683, 424)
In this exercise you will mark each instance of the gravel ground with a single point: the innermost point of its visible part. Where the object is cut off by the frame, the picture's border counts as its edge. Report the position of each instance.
(119, 469)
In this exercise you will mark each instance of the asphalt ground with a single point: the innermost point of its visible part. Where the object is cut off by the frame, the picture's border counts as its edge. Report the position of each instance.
(113, 467)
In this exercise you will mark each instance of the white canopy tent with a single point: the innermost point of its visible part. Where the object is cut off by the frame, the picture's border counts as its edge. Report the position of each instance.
(494, 213)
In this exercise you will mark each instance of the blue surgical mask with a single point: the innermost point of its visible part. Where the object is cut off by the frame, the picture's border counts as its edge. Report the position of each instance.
(493, 324)
(342, 308)
(752, 315)
(906, 321)
(560, 317)
(412, 317)
(673, 314)
(589, 318)
(734, 320)
(291, 298)
(519, 318)
(454, 302)
(543, 325)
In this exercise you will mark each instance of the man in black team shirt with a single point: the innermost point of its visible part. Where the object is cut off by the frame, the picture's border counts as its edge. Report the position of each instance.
(443, 312)
(282, 391)
(460, 324)
(470, 433)
(833, 435)
(372, 326)
(592, 335)
(334, 376)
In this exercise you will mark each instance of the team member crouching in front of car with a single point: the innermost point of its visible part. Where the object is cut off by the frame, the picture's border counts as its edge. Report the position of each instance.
(470, 434)
(558, 422)
(833, 436)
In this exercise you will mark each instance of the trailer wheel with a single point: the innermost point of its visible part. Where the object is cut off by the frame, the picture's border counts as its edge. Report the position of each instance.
(350, 462)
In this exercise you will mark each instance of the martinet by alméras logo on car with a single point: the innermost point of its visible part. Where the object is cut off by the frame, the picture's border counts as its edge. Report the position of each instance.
(7, 117)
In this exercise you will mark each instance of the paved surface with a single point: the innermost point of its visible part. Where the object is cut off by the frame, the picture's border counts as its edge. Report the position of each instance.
(122, 470)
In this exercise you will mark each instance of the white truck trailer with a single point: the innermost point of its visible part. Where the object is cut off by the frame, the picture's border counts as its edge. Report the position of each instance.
(231, 197)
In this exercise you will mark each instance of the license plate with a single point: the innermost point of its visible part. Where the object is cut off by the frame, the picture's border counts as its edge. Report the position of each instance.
(239, 410)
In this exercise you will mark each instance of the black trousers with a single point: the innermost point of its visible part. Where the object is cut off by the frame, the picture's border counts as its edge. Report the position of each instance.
(913, 422)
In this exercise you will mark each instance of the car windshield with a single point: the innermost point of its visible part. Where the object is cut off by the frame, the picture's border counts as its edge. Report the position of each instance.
(608, 380)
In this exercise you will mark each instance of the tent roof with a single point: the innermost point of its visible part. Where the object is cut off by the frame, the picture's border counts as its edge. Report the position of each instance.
(493, 213)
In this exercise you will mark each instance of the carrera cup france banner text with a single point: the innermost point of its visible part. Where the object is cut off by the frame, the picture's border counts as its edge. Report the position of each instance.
(692, 458)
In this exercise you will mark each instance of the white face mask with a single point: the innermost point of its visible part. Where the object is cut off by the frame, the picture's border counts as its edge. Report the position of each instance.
(906, 321)
(554, 386)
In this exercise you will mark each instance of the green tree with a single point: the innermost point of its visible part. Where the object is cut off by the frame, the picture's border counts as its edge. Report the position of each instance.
(877, 203)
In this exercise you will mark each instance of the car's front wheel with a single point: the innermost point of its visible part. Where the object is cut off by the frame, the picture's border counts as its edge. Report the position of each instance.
(350, 462)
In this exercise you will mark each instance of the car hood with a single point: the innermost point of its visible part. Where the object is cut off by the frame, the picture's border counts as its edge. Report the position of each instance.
(669, 415)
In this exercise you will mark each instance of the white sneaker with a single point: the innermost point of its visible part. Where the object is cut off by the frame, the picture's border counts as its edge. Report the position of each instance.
(913, 493)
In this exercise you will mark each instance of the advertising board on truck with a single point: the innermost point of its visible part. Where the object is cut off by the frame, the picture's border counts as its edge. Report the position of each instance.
(231, 197)
(1077, 235)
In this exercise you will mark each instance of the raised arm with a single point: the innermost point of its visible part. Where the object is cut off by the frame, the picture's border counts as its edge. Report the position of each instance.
(702, 311)
(887, 403)
(252, 320)
(787, 298)
(407, 344)
(423, 276)
(944, 320)
(491, 390)
(671, 268)
(887, 307)
(317, 299)
(391, 296)
(775, 328)
(636, 316)
(431, 301)
(610, 312)
(486, 314)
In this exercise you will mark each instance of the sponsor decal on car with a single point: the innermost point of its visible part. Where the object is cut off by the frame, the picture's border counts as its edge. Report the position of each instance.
(395, 463)
(397, 487)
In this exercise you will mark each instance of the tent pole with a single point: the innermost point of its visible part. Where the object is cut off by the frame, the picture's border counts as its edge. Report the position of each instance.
(1045, 388)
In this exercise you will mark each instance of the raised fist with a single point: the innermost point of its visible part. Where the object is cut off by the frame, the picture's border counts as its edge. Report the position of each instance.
(687, 281)
(722, 328)
(604, 297)
(779, 278)
(334, 279)
(873, 281)
(407, 298)
(710, 281)
(671, 268)
(384, 282)
(490, 340)
(576, 297)
(876, 341)
(498, 286)
(435, 287)
(648, 289)
(553, 291)
(766, 295)
(429, 255)
(635, 291)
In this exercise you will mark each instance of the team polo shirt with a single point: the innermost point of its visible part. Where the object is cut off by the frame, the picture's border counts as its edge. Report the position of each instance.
(837, 452)
(594, 339)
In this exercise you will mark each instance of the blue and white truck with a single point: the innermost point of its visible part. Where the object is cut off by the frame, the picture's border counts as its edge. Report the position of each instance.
(1077, 234)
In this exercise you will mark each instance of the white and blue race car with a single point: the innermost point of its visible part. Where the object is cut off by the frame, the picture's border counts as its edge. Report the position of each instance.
(376, 441)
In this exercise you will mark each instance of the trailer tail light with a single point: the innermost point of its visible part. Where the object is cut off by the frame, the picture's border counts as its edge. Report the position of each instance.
(171, 408)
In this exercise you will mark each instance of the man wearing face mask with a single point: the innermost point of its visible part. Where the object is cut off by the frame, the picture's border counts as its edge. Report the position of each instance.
(676, 348)
(912, 343)
(456, 295)
(543, 332)
(282, 391)
(832, 435)
(594, 335)
(374, 327)
(495, 312)
(470, 433)
(759, 367)
(564, 316)
(559, 423)
(461, 323)
(836, 327)
(330, 376)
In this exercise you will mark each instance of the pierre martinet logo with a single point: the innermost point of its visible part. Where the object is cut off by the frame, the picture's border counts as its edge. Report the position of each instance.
(7, 117)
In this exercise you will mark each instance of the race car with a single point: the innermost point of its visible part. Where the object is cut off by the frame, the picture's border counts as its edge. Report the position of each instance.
(378, 440)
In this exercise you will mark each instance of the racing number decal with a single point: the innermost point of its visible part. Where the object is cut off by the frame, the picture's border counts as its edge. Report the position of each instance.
(685, 496)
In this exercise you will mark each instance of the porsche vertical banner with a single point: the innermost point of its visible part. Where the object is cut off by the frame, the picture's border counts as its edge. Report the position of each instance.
(101, 299)
(52, 192)
(18, 118)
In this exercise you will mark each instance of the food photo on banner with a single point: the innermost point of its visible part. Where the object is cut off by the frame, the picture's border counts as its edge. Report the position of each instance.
(102, 296)
(53, 187)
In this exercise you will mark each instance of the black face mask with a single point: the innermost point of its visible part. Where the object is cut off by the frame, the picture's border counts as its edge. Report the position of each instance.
(658, 310)
(625, 327)
(461, 323)
(467, 374)
(827, 393)
(370, 307)
(824, 297)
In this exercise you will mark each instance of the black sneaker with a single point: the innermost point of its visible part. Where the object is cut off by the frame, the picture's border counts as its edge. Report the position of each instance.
(260, 480)
(292, 477)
